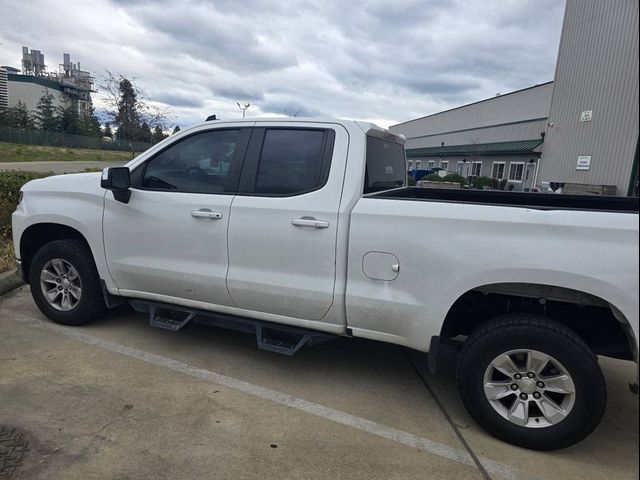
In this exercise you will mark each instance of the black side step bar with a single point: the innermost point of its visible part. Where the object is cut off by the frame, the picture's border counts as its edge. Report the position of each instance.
(271, 337)
(174, 320)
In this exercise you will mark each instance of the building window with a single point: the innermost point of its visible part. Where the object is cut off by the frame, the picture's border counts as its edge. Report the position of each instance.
(461, 168)
(410, 164)
(497, 171)
(431, 164)
(418, 164)
(516, 171)
(476, 169)
(444, 165)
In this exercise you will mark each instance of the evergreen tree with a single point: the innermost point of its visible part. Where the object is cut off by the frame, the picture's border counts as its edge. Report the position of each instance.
(21, 117)
(5, 117)
(69, 120)
(106, 131)
(45, 116)
(89, 124)
(144, 133)
(127, 118)
(158, 134)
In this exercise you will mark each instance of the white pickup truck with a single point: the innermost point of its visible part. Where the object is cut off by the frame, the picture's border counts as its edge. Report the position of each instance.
(302, 228)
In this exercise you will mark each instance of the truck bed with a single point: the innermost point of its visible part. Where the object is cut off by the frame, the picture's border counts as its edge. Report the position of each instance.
(539, 201)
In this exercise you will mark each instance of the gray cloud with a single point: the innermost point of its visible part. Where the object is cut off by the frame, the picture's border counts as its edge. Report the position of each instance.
(373, 61)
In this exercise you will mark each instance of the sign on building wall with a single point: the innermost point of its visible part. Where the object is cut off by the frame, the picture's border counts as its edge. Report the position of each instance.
(584, 162)
(586, 116)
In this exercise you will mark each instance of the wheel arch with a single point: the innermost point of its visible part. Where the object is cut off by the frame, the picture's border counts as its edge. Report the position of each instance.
(39, 234)
(601, 324)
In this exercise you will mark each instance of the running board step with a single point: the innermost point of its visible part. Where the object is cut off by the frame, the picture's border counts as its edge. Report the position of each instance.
(169, 319)
(271, 337)
(281, 340)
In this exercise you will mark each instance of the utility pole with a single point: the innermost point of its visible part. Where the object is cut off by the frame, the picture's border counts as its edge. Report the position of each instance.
(243, 107)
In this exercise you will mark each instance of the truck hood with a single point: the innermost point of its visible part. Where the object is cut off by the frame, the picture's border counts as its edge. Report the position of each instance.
(69, 183)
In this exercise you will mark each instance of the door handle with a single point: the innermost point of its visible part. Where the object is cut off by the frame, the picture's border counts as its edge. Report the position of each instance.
(206, 213)
(309, 222)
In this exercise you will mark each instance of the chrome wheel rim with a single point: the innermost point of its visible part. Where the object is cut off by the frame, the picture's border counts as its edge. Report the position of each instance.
(529, 388)
(60, 284)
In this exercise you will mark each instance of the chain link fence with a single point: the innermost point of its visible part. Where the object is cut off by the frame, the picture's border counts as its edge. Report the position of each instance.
(58, 139)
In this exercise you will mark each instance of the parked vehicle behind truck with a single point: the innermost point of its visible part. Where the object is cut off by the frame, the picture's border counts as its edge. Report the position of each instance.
(300, 229)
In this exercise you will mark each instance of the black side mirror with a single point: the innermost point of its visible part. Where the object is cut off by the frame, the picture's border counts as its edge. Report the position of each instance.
(117, 180)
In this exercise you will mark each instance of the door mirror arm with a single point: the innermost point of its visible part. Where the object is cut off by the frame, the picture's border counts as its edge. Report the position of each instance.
(118, 180)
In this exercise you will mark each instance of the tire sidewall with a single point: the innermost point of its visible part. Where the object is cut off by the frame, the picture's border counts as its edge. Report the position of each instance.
(82, 312)
(580, 365)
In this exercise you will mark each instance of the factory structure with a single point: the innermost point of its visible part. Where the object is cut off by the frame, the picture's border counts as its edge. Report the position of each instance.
(577, 133)
(70, 86)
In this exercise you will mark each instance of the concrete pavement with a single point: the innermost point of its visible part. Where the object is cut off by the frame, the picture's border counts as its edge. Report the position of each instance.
(57, 167)
(118, 399)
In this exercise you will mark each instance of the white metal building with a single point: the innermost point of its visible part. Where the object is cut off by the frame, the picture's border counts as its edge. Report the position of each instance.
(579, 131)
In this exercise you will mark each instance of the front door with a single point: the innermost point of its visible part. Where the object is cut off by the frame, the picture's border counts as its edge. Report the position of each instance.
(170, 240)
(283, 226)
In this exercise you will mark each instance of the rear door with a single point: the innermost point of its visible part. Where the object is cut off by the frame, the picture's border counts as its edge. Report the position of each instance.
(283, 224)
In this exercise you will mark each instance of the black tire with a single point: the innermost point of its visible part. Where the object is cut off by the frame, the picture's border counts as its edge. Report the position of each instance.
(76, 252)
(522, 331)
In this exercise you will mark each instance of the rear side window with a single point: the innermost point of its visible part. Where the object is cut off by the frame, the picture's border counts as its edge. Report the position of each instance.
(291, 162)
(386, 167)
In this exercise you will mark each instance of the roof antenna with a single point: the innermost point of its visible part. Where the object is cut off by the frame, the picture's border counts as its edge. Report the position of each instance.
(210, 117)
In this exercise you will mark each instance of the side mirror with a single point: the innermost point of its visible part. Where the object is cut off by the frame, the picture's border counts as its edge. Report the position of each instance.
(118, 181)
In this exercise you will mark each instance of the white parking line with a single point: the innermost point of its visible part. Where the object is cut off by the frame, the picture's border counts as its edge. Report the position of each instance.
(390, 433)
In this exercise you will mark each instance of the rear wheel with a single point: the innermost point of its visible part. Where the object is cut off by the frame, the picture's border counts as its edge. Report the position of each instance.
(532, 382)
(65, 284)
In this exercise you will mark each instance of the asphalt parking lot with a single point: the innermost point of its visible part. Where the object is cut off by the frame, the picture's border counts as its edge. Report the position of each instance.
(121, 400)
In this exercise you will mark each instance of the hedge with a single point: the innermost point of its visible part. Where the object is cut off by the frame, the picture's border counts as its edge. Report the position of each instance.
(10, 184)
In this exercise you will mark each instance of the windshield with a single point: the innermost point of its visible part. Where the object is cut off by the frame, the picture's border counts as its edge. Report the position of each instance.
(386, 165)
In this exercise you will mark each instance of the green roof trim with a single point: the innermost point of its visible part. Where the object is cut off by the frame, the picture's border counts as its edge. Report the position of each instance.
(497, 148)
(45, 82)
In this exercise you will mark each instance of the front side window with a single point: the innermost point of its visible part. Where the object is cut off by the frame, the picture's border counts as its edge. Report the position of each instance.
(198, 164)
(386, 167)
(291, 162)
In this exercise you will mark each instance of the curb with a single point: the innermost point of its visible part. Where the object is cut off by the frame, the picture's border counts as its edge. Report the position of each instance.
(10, 282)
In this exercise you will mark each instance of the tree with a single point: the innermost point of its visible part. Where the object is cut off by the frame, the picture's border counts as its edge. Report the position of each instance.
(158, 134)
(68, 119)
(144, 134)
(5, 117)
(128, 107)
(89, 124)
(21, 117)
(106, 131)
(45, 115)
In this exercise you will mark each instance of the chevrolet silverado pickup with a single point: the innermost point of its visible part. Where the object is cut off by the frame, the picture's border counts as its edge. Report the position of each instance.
(300, 230)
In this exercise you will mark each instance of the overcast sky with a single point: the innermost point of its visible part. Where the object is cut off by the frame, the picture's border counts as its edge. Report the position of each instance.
(381, 61)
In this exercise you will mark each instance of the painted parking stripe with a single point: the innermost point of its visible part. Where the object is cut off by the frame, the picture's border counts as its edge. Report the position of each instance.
(390, 433)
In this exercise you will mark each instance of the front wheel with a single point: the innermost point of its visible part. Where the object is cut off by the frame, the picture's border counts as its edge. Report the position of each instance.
(65, 284)
(532, 382)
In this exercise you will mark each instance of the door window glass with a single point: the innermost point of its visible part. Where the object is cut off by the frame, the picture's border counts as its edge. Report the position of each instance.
(198, 164)
(291, 162)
